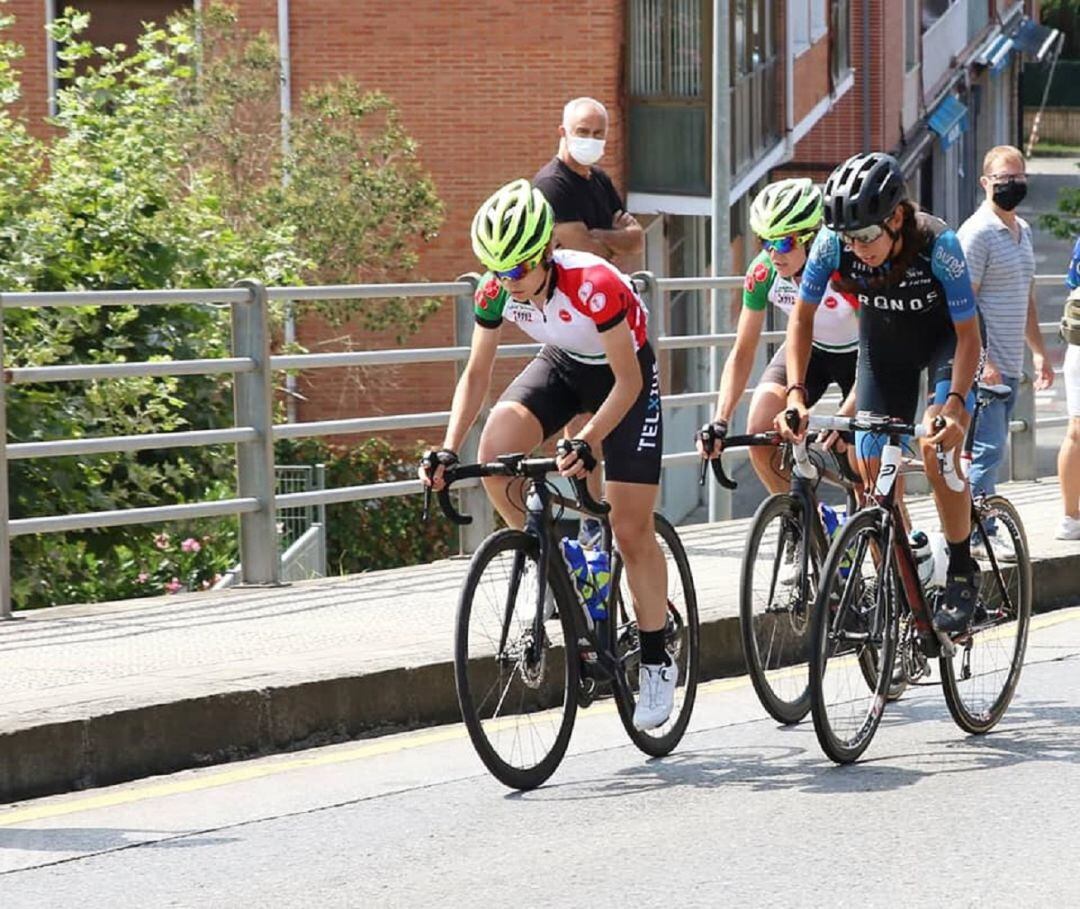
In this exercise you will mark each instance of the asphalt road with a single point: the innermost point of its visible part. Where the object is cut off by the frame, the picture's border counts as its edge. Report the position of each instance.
(744, 813)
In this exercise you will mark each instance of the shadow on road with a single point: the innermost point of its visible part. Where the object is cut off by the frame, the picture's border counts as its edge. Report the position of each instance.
(1031, 731)
(99, 839)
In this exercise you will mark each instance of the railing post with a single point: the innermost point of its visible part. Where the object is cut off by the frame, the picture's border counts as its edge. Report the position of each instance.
(474, 500)
(5, 536)
(1023, 453)
(253, 405)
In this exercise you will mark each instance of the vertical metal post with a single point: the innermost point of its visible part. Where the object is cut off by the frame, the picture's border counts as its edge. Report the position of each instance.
(1022, 450)
(5, 536)
(474, 500)
(719, 499)
(253, 405)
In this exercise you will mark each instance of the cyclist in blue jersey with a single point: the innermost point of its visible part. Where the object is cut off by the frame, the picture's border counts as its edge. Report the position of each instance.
(596, 360)
(917, 312)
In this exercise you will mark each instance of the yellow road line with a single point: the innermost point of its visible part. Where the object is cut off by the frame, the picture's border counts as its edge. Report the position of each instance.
(270, 767)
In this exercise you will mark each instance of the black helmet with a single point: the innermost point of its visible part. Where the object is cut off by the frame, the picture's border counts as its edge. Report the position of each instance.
(863, 191)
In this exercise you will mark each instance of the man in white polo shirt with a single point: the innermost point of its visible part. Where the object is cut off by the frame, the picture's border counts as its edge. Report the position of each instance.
(1000, 258)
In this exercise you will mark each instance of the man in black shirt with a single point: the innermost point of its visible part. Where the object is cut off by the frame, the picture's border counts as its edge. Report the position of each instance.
(589, 215)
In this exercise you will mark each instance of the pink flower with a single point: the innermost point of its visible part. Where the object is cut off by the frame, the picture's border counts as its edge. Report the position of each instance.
(191, 545)
(161, 540)
(173, 586)
(143, 577)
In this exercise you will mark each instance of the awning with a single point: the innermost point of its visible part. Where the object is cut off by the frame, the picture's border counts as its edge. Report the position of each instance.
(996, 54)
(948, 120)
(1034, 39)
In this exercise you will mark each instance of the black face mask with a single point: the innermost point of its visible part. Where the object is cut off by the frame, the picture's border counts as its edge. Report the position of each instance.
(1009, 194)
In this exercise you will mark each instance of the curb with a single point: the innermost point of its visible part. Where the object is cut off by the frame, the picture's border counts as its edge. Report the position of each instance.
(164, 738)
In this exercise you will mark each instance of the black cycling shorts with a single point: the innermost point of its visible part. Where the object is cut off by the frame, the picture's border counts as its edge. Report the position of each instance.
(823, 368)
(888, 382)
(556, 388)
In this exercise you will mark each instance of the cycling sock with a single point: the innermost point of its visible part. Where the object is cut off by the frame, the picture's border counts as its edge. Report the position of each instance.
(652, 648)
(960, 556)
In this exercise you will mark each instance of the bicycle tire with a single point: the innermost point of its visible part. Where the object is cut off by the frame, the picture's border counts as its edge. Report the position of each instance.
(782, 623)
(846, 709)
(978, 696)
(544, 698)
(684, 642)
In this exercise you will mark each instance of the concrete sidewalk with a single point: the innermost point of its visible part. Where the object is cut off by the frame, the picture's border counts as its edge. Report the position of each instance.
(113, 691)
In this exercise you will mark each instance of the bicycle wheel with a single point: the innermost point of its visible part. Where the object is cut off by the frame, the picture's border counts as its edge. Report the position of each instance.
(775, 602)
(518, 695)
(856, 610)
(683, 636)
(980, 677)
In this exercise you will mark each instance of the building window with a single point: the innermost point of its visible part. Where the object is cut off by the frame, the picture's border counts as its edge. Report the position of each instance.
(751, 36)
(911, 34)
(839, 39)
(668, 106)
(932, 10)
(665, 49)
(808, 22)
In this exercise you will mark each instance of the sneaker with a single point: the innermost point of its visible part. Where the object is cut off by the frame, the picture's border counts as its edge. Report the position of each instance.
(788, 572)
(590, 534)
(656, 695)
(549, 605)
(1000, 543)
(957, 606)
(1068, 529)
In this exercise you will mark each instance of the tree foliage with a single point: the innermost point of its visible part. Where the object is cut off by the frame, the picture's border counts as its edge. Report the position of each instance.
(164, 169)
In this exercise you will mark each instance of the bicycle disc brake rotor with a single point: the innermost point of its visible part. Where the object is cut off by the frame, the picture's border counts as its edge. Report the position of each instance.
(532, 660)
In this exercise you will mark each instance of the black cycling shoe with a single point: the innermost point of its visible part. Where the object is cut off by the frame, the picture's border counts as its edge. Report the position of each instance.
(957, 607)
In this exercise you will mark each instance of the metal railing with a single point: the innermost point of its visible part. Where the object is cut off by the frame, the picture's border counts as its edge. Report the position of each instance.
(254, 432)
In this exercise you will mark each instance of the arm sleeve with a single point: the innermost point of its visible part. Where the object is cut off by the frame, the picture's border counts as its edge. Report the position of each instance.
(823, 260)
(488, 302)
(976, 249)
(757, 283)
(948, 266)
(1072, 279)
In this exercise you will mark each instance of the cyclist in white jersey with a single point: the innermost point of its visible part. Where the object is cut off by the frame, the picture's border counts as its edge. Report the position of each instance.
(596, 360)
(786, 216)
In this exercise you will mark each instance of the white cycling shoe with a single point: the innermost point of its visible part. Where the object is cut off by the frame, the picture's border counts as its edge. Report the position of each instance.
(656, 695)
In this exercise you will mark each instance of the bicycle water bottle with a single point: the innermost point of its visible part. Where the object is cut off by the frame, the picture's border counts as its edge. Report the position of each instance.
(832, 519)
(591, 574)
(924, 556)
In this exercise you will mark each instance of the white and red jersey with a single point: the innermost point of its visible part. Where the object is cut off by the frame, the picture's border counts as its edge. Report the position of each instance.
(590, 296)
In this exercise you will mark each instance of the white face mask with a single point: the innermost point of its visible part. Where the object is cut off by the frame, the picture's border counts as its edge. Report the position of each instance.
(584, 150)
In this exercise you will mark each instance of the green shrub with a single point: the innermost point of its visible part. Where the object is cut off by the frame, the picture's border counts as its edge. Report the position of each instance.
(380, 533)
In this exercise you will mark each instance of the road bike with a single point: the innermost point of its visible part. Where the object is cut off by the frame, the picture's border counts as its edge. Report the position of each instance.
(528, 651)
(870, 586)
(786, 544)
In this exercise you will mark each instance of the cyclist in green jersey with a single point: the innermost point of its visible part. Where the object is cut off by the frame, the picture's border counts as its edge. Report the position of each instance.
(786, 216)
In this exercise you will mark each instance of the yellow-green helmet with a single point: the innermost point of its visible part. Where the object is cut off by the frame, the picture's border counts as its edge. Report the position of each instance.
(513, 226)
(786, 207)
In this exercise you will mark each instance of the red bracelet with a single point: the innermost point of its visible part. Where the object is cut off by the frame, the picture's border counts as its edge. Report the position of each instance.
(797, 386)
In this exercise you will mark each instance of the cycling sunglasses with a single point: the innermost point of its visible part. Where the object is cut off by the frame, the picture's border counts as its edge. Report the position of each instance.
(785, 244)
(520, 270)
(862, 234)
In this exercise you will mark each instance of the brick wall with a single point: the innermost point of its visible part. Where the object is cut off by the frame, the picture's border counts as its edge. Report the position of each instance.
(838, 134)
(480, 86)
(28, 31)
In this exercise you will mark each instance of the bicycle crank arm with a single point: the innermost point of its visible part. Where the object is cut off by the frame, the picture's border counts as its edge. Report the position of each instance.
(948, 648)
